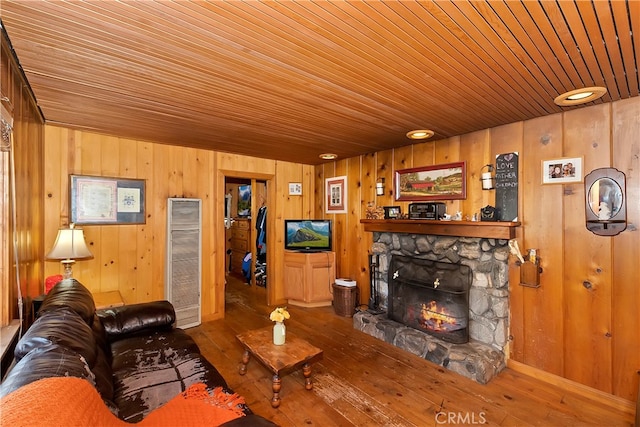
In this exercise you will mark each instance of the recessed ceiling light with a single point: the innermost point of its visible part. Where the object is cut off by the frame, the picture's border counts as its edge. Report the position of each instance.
(420, 134)
(328, 156)
(580, 96)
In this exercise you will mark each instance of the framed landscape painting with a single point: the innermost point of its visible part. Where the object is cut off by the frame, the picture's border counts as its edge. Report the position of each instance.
(438, 182)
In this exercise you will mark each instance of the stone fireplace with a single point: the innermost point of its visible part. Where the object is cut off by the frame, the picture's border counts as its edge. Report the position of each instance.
(445, 298)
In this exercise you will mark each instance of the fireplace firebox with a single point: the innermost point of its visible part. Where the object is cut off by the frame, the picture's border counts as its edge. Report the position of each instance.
(430, 296)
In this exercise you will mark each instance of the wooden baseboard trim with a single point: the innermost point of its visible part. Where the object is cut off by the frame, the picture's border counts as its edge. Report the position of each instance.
(211, 317)
(616, 402)
(299, 303)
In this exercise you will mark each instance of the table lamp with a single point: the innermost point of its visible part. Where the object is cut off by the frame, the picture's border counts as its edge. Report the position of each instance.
(69, 247)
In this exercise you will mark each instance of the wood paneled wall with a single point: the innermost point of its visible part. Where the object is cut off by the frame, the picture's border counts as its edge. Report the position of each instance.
(27, 154)
(587, 335)
(131, 258)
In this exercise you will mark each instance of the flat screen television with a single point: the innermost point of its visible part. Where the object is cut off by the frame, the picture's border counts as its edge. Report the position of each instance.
(307, 235)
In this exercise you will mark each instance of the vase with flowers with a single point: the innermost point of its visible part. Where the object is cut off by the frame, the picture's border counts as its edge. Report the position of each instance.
(279, 331)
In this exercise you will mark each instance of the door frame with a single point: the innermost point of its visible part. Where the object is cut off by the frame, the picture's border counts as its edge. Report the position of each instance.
(270, 203)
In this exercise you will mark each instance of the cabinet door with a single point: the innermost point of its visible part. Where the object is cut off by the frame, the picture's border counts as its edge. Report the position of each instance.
(294, 281)
(322, 278)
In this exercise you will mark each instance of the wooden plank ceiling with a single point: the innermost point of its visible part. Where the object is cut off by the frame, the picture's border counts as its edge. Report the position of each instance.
(291, 80)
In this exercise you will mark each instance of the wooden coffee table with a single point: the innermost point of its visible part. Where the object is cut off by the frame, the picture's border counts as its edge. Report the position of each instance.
(294, 354)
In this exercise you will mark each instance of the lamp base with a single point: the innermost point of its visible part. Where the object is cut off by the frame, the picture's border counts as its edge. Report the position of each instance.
(67, 263)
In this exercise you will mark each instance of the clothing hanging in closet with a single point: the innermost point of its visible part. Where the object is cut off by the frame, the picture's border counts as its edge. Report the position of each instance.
(261, 247)
(261, 234)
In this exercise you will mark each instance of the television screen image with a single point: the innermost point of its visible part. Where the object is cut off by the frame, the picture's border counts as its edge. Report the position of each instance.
(308, 235)
(244, 200)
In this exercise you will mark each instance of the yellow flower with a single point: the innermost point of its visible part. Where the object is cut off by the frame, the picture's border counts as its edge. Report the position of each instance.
(279, 314)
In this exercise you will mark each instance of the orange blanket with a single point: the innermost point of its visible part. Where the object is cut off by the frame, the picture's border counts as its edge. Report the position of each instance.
(69, 401)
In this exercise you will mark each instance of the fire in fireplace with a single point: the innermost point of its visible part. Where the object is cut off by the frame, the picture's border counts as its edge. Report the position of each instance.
(430, 296)
(433, 318)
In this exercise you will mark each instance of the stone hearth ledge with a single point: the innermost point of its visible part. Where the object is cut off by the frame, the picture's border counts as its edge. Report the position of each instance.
(475, 360)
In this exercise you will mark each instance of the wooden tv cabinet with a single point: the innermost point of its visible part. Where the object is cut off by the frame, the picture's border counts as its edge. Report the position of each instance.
(309, 277)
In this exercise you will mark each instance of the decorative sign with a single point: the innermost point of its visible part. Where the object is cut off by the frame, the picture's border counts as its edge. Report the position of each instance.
(507, 186)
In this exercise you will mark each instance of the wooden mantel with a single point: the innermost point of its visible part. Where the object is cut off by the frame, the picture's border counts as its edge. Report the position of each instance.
(493, 230)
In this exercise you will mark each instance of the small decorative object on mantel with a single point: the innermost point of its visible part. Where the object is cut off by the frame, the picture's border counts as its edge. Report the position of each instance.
(489, 213)
(374, 212)
(428, 210)
(279, 331)
(392, 212)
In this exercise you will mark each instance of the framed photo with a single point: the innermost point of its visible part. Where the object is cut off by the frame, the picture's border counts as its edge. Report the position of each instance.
(244, 201)
(562, 171)
(105, 200)
(439, 182)
(392, 212)
(336, 195)
(295, 189)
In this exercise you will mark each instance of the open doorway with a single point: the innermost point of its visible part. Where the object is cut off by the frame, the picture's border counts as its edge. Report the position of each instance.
(246, 240)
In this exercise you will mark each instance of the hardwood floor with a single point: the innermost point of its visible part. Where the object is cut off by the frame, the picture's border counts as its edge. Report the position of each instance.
(362, 381)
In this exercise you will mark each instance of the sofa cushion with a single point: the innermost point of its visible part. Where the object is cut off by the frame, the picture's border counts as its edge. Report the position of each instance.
(72, 294)
(50, 360)
(134, 318)
(67, 329)
(148, 370)
(63, 327)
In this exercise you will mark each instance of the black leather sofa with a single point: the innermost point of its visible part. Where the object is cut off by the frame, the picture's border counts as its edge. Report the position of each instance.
(134, 355)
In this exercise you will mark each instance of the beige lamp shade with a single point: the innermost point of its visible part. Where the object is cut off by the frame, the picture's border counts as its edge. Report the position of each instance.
(70, 245)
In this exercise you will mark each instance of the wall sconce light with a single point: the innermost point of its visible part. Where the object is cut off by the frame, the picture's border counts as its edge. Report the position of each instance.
(69, 247)
(487, 178)
(380, 187)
